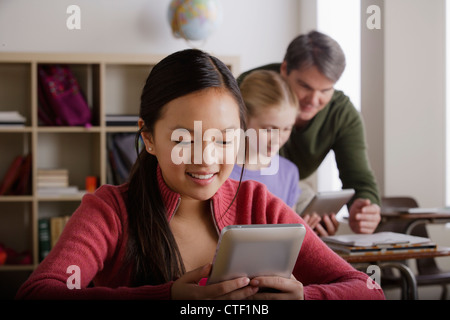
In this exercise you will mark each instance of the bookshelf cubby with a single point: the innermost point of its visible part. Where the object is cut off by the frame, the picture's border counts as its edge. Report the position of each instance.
(111, 84)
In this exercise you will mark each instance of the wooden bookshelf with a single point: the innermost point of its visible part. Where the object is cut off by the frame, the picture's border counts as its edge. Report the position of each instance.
(112, 84)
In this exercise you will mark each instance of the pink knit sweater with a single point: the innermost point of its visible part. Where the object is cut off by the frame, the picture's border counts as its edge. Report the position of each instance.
(95, 240)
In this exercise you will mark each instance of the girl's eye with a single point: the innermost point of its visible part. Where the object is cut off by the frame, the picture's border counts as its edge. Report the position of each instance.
(223, 143)
(183, 142)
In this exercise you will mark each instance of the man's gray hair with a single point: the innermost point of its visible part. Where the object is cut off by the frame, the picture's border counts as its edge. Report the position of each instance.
(319, 50)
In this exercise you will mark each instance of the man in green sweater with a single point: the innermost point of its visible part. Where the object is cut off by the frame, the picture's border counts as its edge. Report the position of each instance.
(313, 63)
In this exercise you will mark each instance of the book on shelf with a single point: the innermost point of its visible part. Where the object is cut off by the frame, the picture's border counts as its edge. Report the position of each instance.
(377, 243)
(57, 225)
(23, 184)
(52, 178)
(11, 175)
(52, 172)
(44, 237)
(52, 183)
(121, 119)
(50, 230)
(55, 183)
(11, 119)
(59, 191)
(16, 180)
(121, 156)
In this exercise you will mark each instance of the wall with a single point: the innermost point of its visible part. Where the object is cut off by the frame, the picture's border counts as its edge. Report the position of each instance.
(403, 95)
(403, 66)
(372, 90)
(403, 76)
(403, 104)
(256, 30)
(415, 100)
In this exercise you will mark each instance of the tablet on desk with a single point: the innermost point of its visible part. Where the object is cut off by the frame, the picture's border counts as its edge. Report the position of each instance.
(328, 202)
(256, 250)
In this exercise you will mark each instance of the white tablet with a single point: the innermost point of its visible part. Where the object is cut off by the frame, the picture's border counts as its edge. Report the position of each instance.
(256, 250)
(328, 202)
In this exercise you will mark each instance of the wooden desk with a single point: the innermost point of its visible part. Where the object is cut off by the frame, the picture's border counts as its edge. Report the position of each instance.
(402, 222)
(391, 260)
(439, 252)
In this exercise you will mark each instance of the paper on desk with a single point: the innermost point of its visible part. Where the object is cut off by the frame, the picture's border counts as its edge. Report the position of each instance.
(429, 210)
(375, 239)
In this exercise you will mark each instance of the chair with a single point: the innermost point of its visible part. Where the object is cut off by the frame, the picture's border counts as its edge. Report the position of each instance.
(428, 272)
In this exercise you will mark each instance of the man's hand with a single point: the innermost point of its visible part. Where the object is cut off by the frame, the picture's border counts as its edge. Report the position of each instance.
(364, 216)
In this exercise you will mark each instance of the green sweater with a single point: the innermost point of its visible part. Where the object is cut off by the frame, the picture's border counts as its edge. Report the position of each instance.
(337, 127)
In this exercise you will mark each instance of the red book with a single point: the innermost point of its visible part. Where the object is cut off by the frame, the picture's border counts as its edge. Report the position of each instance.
(22, 185)
(11, 175)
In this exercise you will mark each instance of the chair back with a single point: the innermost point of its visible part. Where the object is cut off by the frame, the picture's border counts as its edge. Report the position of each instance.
(424, 266)
(398, 202)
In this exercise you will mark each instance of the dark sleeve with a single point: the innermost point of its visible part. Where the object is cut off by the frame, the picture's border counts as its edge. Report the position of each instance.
(351, 156)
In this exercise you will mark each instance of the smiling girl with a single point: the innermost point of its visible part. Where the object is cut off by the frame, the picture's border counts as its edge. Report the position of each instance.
(271, 112)
(155, 237)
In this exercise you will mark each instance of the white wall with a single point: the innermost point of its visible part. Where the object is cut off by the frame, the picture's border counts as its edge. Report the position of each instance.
(256, 30)
(372, 90)
(404, 98)
(406, 135)
(403, 95)
(415, 100)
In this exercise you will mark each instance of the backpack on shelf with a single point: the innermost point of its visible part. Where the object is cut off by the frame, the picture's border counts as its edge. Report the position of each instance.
(61, 102)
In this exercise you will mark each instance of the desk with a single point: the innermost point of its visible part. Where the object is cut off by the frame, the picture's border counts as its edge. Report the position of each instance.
(439, 252)
(396, 221)
(389, 260)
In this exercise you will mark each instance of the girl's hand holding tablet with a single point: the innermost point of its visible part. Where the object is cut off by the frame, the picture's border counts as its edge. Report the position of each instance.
(187, 287)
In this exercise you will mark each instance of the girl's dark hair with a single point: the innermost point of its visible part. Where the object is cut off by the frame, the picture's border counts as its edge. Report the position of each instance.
(316, 49)
(152, 250)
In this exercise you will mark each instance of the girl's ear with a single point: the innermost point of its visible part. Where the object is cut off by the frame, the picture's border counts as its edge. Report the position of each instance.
(147, 138)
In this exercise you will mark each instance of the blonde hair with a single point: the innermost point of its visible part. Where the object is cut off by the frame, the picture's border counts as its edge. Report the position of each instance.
(266, 89)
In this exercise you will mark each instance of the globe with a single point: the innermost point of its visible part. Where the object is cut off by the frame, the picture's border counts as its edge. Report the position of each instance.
(194, 19)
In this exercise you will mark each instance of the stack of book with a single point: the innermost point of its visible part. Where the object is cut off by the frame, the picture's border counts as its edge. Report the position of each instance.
(378, 243)
(53, 182)
(49, 231)
(11, 119)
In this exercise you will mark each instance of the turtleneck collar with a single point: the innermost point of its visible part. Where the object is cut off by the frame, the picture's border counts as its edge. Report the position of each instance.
(220, 201)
